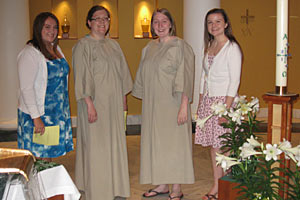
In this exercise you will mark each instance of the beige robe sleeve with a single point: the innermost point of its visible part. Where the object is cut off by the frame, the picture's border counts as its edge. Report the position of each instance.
(137, 90)
(184, 80)
(84, 82)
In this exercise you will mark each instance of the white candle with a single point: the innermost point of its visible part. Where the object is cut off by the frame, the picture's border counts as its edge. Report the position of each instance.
(282, 43)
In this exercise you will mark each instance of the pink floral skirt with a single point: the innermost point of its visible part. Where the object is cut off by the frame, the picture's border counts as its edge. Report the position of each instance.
(209, 134)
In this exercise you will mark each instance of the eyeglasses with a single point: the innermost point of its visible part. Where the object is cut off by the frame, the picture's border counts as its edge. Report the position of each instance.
(101, 19)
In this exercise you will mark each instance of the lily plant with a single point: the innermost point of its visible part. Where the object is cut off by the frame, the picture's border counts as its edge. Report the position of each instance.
(262, 183)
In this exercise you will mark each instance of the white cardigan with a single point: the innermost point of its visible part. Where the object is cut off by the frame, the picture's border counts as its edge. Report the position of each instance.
(33, 75)
(223, 77)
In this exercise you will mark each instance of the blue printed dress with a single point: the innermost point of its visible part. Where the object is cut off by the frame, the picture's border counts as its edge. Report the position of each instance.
(57, 112)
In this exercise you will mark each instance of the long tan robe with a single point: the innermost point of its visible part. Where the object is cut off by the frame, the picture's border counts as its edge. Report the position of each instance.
(101, 72)
(166, 71)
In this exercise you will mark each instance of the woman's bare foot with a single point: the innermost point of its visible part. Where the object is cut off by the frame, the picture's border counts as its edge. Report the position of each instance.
(176, 196)
(211, 194)
(159, 190)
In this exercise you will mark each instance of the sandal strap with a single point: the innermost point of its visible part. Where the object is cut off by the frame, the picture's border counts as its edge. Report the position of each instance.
(152, 190)
(211, 196)
(178, 196)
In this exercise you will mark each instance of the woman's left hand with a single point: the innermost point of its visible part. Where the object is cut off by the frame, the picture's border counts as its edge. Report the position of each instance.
(182, 115)
(183, 111)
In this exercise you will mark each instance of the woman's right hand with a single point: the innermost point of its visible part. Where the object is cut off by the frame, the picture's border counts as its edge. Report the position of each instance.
(92, 113)
(39, 125)
(200, 101)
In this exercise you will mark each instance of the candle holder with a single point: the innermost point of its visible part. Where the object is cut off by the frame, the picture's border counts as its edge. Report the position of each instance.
(145, 23)
(281, 90)
(65, 27)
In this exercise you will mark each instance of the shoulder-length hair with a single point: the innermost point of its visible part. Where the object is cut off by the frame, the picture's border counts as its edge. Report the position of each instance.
(37, 40)
(164, 11)
(208, 38)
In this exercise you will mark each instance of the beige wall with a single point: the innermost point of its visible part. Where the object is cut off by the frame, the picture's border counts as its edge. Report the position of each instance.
(259, 48)
(258, 75)
(131, 47)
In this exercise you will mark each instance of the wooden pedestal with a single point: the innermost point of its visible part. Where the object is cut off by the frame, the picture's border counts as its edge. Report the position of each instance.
(280, 110)
(226, 189)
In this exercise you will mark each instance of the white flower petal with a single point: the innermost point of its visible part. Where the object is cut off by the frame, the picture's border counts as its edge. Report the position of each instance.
(272, 152)
(201, 122)
(219, 109)
(253, 141)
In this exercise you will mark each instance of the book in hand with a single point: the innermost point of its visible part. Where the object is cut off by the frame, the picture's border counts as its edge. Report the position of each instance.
(50, 136)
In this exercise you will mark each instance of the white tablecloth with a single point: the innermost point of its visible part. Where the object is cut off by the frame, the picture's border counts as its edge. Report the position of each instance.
(51, 182)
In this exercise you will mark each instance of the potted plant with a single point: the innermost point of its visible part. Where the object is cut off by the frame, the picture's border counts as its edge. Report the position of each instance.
(249, 162)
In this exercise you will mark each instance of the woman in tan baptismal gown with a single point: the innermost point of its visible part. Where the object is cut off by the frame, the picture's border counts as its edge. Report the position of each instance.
(102, 80)
(164, 82)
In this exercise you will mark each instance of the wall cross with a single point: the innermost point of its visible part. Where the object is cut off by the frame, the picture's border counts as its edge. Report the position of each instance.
(246, 18)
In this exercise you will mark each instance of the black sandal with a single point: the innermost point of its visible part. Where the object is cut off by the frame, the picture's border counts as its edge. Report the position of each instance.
(211, 196)
(155, 193)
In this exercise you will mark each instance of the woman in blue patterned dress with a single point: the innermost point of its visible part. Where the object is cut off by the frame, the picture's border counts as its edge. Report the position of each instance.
(43, 94)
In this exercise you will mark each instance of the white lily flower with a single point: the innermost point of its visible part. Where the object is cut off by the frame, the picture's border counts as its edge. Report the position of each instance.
(219, 109)
(245, 108)
(272, 152)
(285, 144)
(295, 151)
(253, 141)
(236, 99)
(225, 161)
(201, 122)
(247, 150)
(254, 104)
(241, 99)
(296, 154)
(286, 147)
(254, 101)
(236, 116)
(255, 108)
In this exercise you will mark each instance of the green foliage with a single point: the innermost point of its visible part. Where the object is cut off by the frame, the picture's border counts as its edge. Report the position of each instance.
(41, 165)
(293, 183)
(238, 134)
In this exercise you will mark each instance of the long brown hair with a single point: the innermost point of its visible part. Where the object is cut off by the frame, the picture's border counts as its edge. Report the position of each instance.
(37, 40)
(208, 38)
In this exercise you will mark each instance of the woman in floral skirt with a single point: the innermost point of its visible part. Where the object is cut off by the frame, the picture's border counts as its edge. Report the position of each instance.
(219, 81)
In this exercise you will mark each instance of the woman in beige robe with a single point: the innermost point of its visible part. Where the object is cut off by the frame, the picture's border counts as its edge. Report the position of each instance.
(164, 82)
(102, 80)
